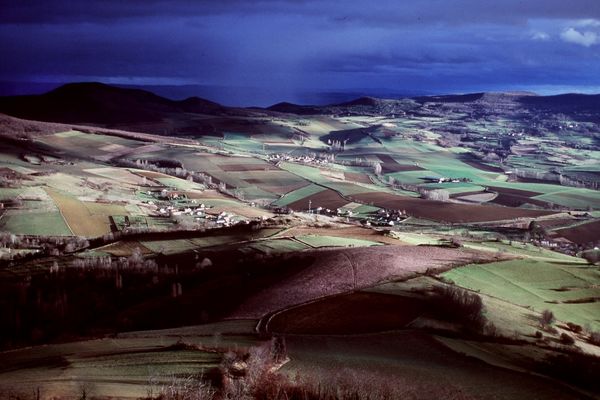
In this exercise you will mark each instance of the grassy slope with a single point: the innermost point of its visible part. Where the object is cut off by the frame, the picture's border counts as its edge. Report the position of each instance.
(537, 284)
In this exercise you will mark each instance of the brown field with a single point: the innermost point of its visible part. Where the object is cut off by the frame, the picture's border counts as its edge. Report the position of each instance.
(555, 222)
(274, 181)
(582, 234)
(516, 197)
(389, 165)
(353, 313)
(357, 177)
(326, 199)
(533, 180)
(446, 212)
(335, 271)
(484, 167)
(78, 217)
(514, 192)
(280, 190)
(463, 194)
(510, 200)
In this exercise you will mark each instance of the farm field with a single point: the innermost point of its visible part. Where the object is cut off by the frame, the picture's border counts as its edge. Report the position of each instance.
(84, 219)
(446, 212)
(337, 271)
(356, 313)
(569, 290)
(581, 233)
(35, 223)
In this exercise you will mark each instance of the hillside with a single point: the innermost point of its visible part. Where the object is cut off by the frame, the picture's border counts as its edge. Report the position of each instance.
(100, 104)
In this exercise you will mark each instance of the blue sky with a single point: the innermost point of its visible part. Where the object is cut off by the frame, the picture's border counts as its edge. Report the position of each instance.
(287, 47)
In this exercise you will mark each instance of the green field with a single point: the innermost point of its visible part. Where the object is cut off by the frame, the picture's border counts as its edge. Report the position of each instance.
(562, 288)
(298, 194)
(50, 223)
(334, 241)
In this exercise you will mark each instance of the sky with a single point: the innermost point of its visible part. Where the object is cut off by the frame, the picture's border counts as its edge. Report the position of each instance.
(277, 49)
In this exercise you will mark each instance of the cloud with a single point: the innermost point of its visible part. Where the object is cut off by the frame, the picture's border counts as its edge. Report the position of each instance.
(299, 44)
(388, 12)
(541, 36)
(586, 39)
(588, 22)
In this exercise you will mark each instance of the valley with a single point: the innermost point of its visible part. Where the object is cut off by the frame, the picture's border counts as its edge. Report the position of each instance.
(410, 248)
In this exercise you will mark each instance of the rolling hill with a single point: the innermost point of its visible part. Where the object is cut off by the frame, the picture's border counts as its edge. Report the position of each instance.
(97, 103)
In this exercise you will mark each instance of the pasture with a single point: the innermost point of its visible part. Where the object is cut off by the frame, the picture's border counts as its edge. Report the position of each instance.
(569, 290)
(25, 222)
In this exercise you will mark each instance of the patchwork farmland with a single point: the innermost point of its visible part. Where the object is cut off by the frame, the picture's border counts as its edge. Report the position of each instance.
(376, 245)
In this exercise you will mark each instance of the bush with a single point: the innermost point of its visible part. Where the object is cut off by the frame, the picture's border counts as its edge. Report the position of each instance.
(435, 194)
(574, 327)
(547, 319)
(461, 305)
(594, 338)
(566, 339)
(539, 335)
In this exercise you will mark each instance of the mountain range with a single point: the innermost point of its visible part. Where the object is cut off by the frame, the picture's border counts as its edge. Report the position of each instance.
(135, 109)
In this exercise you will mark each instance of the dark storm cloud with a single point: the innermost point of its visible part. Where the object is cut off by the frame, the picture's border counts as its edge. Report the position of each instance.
(287, 46)
(345, 11)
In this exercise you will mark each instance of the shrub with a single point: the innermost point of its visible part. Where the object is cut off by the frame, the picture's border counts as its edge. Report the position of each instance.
(461, 305)
(547, 318)
(594, 338)
(456, 242)
(574, 327)
(435, 194)
(566, 339)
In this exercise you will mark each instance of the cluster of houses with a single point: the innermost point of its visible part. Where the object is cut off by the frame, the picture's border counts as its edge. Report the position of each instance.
(435, 179)
(303, 159)
(167, 206)
(388, 217)
(381, 218)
